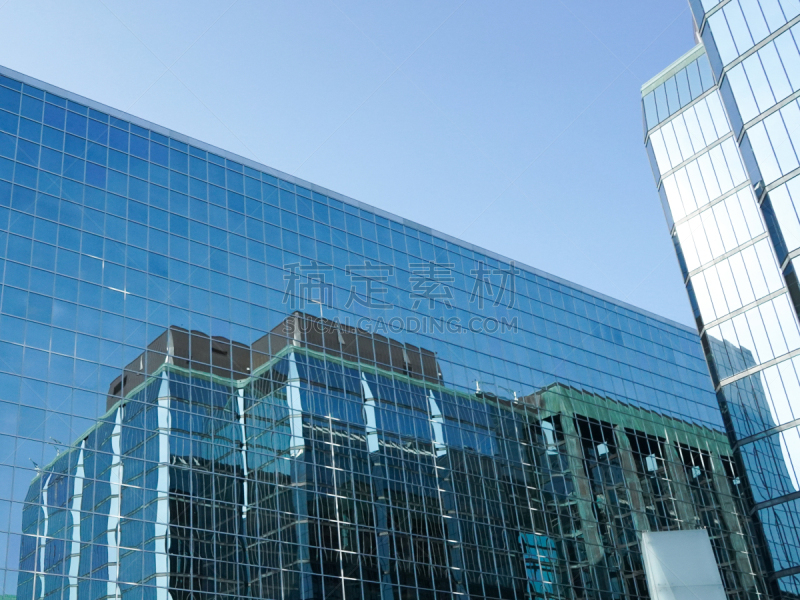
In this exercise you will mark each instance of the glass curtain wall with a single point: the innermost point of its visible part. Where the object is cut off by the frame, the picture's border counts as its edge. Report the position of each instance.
(737, 234)
(159, 437)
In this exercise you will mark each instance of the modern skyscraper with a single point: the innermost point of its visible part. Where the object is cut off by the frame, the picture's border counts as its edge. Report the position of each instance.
(217, 380)
(722, 129)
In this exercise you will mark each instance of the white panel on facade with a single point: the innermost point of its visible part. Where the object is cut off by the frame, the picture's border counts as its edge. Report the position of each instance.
(680, 565)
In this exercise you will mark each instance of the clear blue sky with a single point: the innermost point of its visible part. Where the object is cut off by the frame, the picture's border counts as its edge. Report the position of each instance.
(512, 125)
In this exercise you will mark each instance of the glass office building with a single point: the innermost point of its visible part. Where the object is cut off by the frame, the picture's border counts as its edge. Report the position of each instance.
(219, 381)
(722, 129)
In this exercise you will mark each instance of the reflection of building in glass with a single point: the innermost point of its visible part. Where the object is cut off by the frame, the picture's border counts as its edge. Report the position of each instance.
(721, 132)
(621, 471)
(324, 461)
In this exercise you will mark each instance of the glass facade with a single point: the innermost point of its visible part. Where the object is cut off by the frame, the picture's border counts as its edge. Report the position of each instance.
(730, 193)
(218, 381)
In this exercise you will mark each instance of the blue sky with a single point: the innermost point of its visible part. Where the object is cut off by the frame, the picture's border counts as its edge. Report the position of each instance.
(515, 125)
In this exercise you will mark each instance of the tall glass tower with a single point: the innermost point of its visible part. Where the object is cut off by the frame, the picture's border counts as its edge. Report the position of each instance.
(219, 381)
(722, 129)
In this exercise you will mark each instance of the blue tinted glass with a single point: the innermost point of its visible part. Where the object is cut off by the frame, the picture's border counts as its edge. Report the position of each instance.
(227, 381)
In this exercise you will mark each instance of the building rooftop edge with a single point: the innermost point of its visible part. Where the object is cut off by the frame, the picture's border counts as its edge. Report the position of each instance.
(32, 81)
(676, 66)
